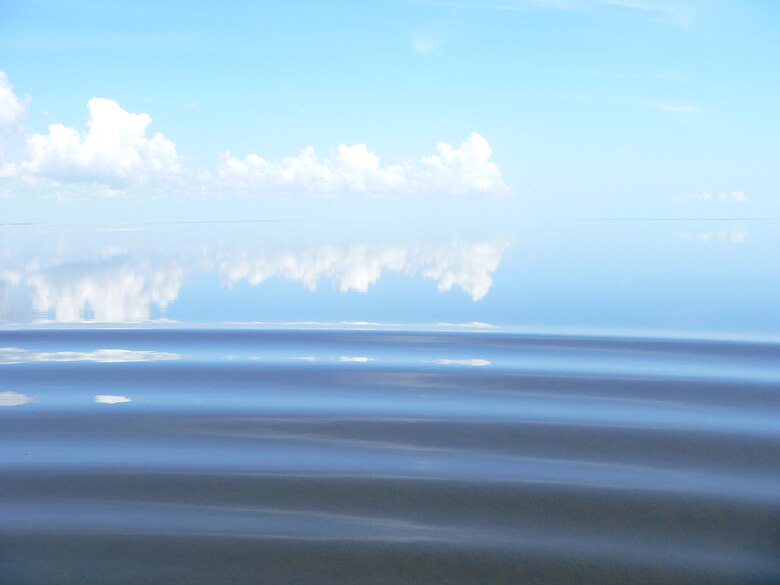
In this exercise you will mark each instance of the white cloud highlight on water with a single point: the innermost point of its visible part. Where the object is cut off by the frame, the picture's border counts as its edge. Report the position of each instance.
(111, 399)
(476, 362)
(14, 399)
(15, 355)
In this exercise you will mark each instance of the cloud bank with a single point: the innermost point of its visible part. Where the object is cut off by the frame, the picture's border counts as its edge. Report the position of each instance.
(116, 153)
(356, 169)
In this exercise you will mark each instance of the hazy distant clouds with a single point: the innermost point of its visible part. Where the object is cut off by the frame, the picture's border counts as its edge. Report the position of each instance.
(710, 197)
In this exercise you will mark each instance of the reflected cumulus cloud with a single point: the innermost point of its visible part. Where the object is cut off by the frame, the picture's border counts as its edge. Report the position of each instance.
(123, 284)
(469, 266)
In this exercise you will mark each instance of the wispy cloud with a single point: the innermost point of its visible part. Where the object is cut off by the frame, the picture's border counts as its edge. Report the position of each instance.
(426, 43)
(678, 12)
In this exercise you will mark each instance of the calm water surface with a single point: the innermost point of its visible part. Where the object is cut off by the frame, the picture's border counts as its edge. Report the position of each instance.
(570, 402)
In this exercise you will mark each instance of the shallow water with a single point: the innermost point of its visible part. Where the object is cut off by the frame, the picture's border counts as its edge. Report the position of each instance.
(166, 418)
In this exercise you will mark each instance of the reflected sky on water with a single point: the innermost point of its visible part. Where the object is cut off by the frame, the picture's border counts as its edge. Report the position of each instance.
(671, 277)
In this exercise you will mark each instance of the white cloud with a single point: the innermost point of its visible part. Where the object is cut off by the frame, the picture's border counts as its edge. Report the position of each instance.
(115, 148)
(11, 107)
(14, 399)
(115, 157)
(111, 399)
(355, 169)
(357, 359)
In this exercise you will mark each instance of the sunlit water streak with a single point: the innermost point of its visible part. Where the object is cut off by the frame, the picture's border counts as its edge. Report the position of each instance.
(323, 456)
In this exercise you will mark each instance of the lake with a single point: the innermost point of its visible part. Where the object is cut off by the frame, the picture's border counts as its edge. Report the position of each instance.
(260, 402)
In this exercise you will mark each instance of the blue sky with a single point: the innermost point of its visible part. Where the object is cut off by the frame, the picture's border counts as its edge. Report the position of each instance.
(540, 108)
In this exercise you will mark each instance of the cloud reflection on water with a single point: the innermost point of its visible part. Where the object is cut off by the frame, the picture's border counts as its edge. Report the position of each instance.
(15, 355)
(111, 399)
(14, 399)
(114, 284)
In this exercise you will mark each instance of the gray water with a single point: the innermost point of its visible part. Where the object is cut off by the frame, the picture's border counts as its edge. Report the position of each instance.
(166, 419)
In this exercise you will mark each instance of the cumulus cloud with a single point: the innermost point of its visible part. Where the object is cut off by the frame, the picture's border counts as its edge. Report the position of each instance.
(116, 156)
(11, 107)
(115, 148)
(356, 169)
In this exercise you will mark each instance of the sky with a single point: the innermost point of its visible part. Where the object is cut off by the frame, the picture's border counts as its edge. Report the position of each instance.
(138, 111)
